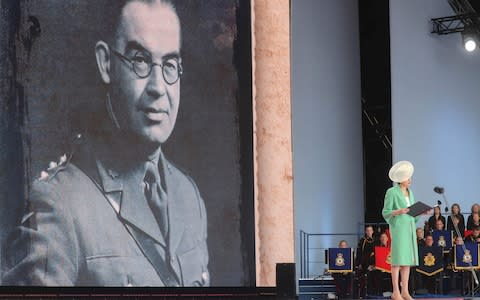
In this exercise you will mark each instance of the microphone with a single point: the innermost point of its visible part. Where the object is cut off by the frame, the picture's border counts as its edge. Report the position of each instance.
(438, 190)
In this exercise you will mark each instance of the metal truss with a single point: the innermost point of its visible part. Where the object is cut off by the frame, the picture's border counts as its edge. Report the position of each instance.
(379, 128)
(466, 17)
(461, 7)
(452, 24)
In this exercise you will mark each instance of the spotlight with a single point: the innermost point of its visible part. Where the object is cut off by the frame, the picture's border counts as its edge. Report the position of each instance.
(469, 41)
(469, 44)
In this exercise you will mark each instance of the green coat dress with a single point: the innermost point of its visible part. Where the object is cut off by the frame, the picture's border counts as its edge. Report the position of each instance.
(402, 228)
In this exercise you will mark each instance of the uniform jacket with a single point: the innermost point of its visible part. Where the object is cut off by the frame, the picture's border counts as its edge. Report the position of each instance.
(402, 228)
(74, 233)
(365, 250)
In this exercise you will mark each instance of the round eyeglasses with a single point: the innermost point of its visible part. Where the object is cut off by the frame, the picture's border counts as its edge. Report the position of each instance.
(142, 65)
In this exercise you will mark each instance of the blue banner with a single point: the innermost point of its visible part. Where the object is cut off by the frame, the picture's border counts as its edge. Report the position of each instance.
(430, 260)
(443, 239)
(340, 260)
(462, 259)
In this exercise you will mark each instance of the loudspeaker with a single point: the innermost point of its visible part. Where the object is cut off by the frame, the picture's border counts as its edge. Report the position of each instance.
(286, 287)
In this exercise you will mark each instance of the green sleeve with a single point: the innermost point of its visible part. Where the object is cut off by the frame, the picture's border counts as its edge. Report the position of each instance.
(388, 206)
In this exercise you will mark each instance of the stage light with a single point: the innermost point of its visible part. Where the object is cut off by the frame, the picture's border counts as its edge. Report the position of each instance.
(469, 44)
(469, 41)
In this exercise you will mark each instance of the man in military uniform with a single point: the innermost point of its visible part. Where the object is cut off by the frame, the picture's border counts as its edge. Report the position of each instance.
(115, 211)
(420, 238)
(364, 260)
(475, 236)
(429, 241)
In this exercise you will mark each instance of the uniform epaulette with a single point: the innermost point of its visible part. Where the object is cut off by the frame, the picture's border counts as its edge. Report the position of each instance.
(54, 168)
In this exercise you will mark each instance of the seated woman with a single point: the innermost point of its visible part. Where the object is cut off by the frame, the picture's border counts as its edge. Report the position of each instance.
(437, 215)
(458, 219)
(382, 280)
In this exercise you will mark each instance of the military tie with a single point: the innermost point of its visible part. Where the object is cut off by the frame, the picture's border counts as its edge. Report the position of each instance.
(156, 197)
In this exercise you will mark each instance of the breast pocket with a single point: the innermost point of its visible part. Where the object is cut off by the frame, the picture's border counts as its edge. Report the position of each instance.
(115, 270)
(194, 270)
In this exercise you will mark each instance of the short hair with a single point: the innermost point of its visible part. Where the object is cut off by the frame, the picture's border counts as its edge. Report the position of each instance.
(476, 227)
(473, 206)
(113, 12)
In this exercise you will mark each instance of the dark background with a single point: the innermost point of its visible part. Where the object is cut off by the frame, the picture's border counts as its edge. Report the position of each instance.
(56, 87)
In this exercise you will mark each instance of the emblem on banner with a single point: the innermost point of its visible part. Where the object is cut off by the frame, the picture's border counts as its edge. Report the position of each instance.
(467, 257)
(339, 261)
(441, 241)
(429, 260)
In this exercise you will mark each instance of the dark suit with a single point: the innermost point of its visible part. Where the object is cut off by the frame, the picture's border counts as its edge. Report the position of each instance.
(76, 230)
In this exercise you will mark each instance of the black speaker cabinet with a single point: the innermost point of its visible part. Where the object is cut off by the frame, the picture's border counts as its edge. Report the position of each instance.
(286, 288)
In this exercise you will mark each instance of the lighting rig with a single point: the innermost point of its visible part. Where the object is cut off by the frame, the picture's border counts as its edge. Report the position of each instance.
(466, 21)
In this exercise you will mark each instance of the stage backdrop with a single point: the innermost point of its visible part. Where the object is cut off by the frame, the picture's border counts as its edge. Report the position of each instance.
(56, 87)
(326, 124)
(435, 104)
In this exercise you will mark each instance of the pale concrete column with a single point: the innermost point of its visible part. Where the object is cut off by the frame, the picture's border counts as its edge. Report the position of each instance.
(272, 137)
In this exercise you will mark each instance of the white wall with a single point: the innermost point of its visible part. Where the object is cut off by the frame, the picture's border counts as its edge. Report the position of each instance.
(326, 120)
(435, 103)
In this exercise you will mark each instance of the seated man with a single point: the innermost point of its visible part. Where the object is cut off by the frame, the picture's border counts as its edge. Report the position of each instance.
(343, 281)
(475, 236)
(429, 241)
(425, 282)
(456, 280)
(420, 239)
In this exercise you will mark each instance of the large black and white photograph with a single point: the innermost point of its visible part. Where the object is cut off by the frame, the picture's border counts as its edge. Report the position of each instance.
(127, 144)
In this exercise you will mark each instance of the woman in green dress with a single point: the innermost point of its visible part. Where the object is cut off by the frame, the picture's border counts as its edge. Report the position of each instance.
(404, 252)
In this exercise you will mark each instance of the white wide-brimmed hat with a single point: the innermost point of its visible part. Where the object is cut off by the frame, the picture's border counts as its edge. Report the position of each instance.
(401, 171)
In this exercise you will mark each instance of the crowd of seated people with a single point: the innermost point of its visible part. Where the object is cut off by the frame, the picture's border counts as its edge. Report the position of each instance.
(466, 234)
(368, 280)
